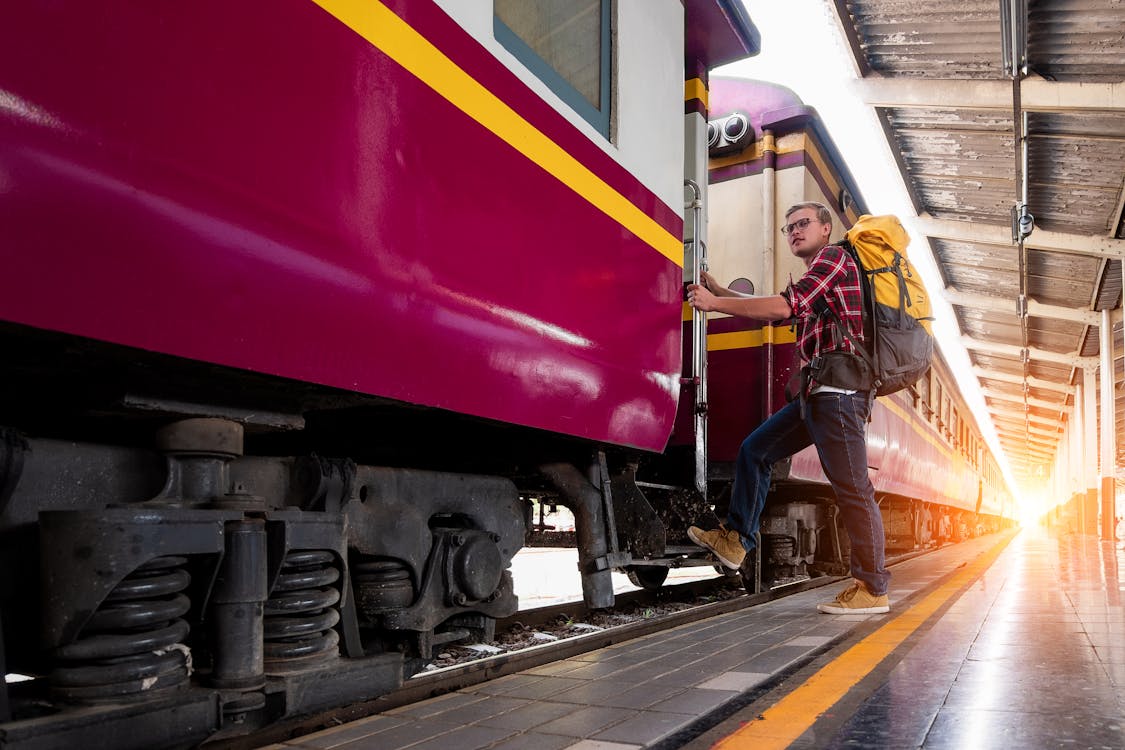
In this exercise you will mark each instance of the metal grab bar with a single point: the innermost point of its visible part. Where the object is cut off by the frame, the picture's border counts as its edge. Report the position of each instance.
(698, 341)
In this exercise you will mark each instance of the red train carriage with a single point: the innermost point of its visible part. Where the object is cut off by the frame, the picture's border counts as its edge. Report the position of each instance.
(295, 299)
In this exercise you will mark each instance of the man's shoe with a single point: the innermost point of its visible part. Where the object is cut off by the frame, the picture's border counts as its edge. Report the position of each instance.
(854, 600)
(723, 543)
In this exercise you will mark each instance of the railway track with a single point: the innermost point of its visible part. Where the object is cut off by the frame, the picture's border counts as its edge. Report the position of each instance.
(640, 614)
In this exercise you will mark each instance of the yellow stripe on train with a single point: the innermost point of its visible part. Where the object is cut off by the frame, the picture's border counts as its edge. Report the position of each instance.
(384, 29)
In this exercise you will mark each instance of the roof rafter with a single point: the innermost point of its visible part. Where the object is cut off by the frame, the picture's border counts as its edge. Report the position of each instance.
(1034, 309)
(1033, 382)
(993, 234)
(1019, 398)
(1044, 355)
(1036, 94)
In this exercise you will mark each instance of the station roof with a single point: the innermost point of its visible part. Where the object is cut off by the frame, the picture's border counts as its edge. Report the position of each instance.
(957, 117)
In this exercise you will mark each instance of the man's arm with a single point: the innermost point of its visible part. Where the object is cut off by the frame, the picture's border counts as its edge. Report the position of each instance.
(771, 307)
(717, 289)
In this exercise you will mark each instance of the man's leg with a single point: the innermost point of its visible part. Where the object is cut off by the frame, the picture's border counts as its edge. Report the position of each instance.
(837, 423)
(781, 435)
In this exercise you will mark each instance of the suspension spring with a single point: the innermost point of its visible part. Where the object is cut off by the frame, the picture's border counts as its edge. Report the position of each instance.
(382, 585)
(134, 642)
(779, 548)
(301, 613)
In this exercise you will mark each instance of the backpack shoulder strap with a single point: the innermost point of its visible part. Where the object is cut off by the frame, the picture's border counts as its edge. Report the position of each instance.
(822, 308)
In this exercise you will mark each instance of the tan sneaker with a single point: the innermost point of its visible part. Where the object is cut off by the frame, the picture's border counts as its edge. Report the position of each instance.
(723, 543)
(854, 600)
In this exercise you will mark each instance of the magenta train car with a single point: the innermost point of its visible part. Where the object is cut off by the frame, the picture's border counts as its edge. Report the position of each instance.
(300, 304)
(934, 476)
(319, 194)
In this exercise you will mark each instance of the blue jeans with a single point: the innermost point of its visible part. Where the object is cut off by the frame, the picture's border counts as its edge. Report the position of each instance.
(836, 424)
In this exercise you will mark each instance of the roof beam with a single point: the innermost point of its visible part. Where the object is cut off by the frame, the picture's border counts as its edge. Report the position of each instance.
(1034, 462)
(1033, 452)
(1018, 417)
(1043, 355)
(1034, 308)
(1027, 468)
(1019, 398)
(1034, 382)
(1026, 442)
(1015, 410)
(1042, 437)
(1041, 453)
(1036, 94)
(1031, 448)
(1038, 450)
(1035, 435)
(995, 234)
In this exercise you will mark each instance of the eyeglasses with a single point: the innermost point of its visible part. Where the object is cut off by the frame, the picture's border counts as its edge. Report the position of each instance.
(798, 224)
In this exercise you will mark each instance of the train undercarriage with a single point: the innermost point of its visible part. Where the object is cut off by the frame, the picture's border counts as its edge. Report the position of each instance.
(243, 589)
(801, 533)
(192, 592)
(179, 571)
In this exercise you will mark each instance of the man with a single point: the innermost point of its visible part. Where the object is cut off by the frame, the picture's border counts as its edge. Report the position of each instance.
(833, 419)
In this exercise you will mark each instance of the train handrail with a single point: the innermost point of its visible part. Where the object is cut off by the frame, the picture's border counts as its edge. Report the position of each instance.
(698, 341)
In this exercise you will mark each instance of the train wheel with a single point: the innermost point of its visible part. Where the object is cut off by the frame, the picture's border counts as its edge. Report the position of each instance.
(648, 577)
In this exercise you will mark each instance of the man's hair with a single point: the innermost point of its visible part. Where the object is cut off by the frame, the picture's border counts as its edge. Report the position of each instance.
(823, 215)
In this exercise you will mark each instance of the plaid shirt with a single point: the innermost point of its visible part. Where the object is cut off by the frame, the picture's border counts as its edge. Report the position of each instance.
(832, 275)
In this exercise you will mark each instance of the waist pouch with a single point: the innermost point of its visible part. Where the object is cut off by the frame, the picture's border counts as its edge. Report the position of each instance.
(841, 369)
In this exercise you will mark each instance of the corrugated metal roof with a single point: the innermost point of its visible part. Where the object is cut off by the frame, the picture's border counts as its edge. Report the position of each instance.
(1077, 40)
(900, 37)
(936, 77)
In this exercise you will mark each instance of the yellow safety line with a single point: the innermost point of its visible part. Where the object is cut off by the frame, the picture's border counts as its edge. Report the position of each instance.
(789, 718)
(402, 43)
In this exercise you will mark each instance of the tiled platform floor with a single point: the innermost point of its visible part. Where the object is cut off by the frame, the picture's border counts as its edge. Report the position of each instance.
(1031, 656)
(662, 689)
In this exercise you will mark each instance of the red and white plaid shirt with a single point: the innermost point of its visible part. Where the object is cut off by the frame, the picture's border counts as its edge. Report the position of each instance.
(832, 275)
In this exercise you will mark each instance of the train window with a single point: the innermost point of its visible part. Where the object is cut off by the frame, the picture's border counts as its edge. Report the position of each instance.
(923, 401)
(566, 43)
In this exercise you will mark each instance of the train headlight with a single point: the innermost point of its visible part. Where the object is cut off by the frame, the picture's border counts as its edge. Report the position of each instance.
(728, 134)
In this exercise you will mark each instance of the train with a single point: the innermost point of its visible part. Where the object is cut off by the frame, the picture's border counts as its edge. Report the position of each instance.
(305, 305)
(935, 477)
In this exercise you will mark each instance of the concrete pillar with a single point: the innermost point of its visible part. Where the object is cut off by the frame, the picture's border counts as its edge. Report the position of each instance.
(1089, 514)
(1108, 451)
(1077, 462)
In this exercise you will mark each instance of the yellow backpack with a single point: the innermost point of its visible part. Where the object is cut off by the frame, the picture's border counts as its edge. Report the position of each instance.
(880, 245)
(897, 316)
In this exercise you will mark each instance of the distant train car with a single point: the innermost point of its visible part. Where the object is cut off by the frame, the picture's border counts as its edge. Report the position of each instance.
(934, 477)
(298, 301)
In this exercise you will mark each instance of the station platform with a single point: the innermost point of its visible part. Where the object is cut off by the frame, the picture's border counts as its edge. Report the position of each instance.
(1013, 640)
